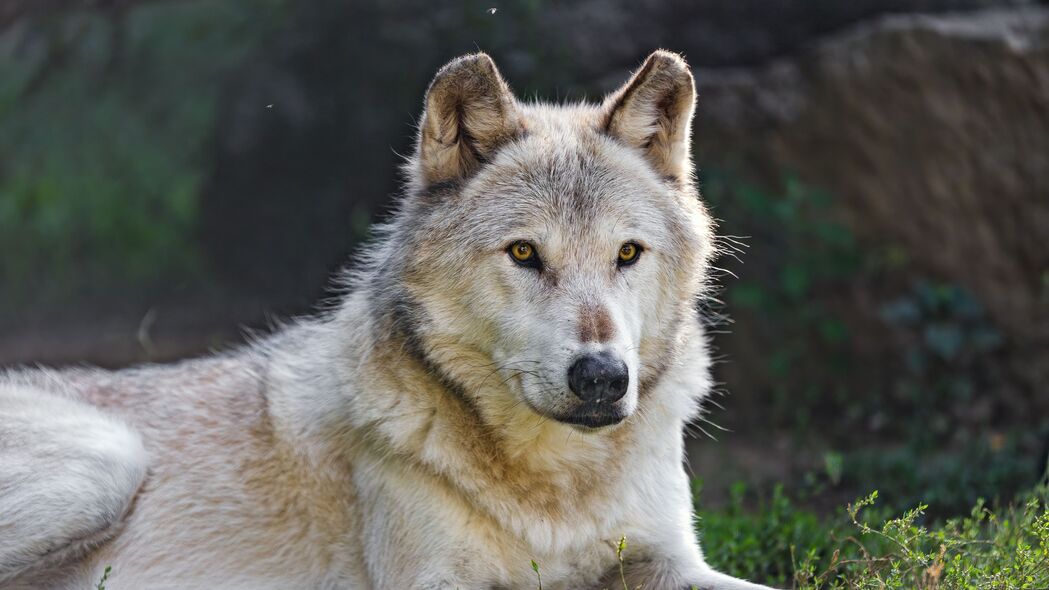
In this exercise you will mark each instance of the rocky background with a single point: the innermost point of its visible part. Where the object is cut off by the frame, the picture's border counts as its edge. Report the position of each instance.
(173, 172)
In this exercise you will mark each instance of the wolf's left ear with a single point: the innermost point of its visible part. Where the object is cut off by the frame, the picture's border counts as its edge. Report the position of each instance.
(653, 112)
(469, 113)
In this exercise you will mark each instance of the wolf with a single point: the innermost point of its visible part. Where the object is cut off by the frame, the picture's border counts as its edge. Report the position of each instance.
(499, 395)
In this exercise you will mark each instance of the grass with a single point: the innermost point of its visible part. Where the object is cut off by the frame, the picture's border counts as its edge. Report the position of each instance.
(101, 585)
(866, 548)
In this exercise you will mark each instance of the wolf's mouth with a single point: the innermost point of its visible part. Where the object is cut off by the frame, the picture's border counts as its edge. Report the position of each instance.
(593, 416)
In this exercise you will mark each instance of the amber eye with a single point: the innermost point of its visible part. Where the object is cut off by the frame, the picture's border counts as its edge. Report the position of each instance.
(628, 254)
(522, 251)
(524, 254)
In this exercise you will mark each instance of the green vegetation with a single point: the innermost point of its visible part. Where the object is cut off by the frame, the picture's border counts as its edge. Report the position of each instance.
(778, 543)
(538, 576)
(866, 547)
(101, 585)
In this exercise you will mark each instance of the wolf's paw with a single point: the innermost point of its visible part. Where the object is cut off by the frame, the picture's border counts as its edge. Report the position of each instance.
(718, 581)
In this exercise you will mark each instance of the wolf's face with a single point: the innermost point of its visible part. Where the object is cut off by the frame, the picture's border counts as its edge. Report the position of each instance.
(556, 250)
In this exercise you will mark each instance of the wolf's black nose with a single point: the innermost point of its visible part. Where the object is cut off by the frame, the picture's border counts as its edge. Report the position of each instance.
(599, 378)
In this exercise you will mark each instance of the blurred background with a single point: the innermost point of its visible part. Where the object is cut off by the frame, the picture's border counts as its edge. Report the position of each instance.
(174, 172)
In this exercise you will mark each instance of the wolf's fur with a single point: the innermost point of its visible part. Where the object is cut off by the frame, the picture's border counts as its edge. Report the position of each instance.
(414, 436)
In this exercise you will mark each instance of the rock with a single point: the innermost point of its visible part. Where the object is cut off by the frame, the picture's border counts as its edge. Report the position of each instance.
(932, 133)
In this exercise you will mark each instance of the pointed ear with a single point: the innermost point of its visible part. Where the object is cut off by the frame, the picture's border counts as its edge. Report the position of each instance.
(653, 112)
(469, 113)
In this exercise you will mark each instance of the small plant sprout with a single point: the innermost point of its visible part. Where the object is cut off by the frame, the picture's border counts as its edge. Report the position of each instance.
(620, 548)
(539, 576)
(105, 576)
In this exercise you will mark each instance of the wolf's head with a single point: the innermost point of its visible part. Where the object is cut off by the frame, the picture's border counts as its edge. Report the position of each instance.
(554, 250)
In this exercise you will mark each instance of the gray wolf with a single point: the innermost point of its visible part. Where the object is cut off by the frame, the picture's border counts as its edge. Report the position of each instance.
(506, 379)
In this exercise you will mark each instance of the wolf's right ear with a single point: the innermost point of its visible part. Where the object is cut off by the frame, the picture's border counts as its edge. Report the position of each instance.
(469, 113)
(653, 113)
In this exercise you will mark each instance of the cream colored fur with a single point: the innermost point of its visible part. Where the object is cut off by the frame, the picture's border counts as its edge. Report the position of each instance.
(415, 436)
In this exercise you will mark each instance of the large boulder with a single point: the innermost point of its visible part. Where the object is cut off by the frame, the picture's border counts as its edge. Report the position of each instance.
(932, 135)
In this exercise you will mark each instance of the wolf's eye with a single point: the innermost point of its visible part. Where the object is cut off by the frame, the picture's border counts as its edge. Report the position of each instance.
(628, 254)
(524, 254)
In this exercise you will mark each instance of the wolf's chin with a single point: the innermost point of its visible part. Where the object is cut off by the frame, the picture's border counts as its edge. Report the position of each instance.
(588, 417)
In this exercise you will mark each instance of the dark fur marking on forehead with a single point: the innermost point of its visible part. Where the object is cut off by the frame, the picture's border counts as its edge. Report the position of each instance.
(483, 158)
(432, 198)
(451, 186)
(437, 193)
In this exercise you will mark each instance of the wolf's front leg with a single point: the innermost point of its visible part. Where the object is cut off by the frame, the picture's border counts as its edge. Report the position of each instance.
(405, 538)
(68, 474)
